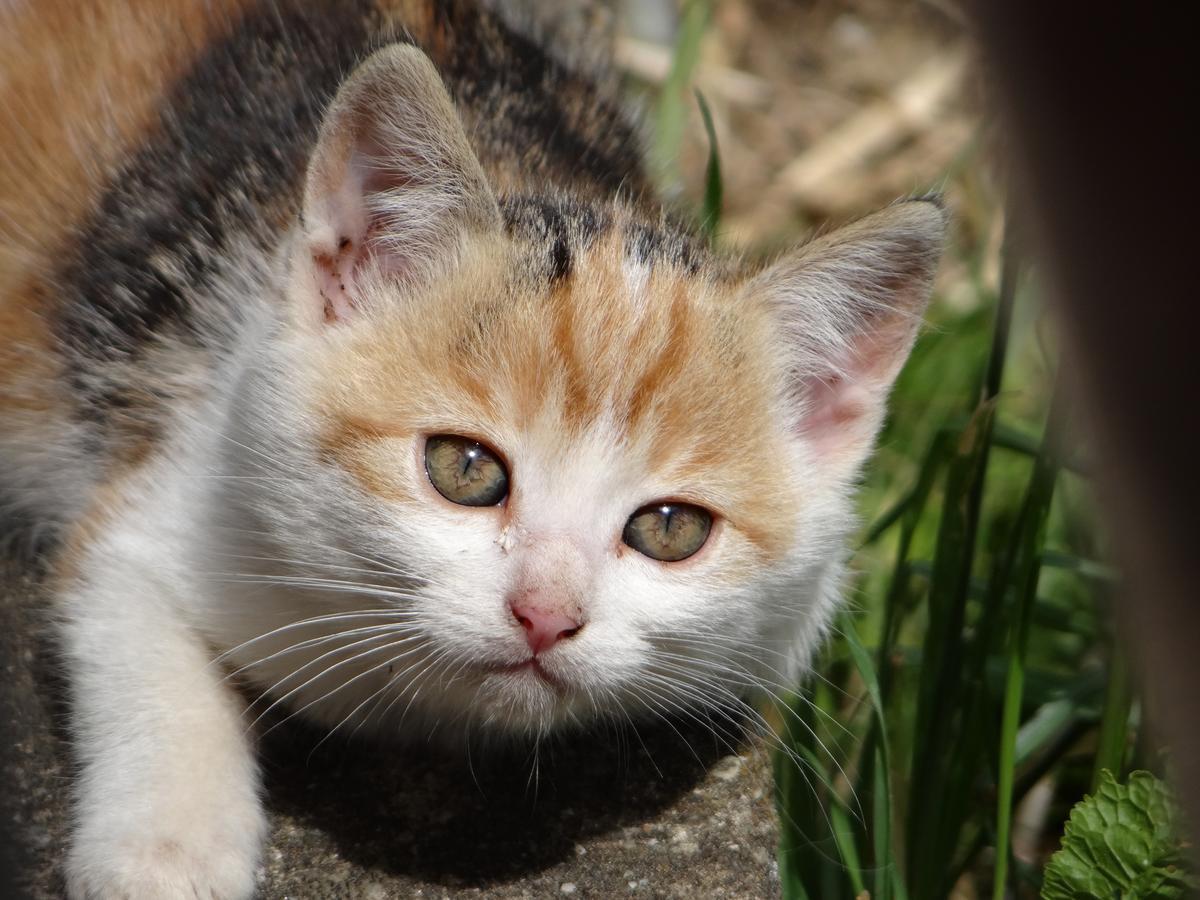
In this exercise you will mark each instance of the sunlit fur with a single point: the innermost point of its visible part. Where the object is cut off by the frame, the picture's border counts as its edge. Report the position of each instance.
(230, 448)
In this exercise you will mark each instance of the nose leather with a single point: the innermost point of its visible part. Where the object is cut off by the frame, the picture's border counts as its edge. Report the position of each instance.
(544, 628)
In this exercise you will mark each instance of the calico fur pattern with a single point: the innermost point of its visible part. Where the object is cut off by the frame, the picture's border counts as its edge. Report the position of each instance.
(282, 244)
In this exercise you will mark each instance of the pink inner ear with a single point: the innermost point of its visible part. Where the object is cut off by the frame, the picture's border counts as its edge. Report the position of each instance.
(844, 405)
(837, 412)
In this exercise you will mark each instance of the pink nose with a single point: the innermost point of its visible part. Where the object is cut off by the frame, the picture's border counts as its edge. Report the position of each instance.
(544, 629)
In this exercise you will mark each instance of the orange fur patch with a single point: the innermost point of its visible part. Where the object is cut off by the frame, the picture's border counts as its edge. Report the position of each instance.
(28, 366)
(81, 82)
(675, 375)
(352, 444)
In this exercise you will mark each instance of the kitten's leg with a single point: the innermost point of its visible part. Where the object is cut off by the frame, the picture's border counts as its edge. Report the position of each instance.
(167, 803)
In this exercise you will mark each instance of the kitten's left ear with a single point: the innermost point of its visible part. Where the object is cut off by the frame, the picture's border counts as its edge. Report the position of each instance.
(392, 186)
(849, 304)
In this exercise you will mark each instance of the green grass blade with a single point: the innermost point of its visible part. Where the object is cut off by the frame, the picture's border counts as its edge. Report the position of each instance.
(809, 858)
(714, 191)
(1042, 728)
(881, 789)
(1008, 727)
(1085, 568)
(884, 522)
(672, 111)
(1024, 561)
(843, 834)
(1009, 276)
(908, 508)
(1005, 438)
(794, 799)
(934, 460)
(1113, 744)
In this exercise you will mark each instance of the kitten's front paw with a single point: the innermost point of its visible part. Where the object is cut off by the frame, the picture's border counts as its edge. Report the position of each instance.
(210, 859)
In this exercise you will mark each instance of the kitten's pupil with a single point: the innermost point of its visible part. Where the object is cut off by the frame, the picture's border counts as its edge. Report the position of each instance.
(465, 471)
(668, 532)
(468, 458)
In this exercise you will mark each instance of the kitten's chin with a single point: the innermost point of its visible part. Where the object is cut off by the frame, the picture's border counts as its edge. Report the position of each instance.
(526, 698)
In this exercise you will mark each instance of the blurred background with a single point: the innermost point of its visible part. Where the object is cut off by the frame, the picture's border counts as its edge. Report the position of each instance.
(975, 692)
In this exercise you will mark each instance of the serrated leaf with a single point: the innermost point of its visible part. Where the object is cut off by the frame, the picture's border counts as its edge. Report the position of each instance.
(1121, 841)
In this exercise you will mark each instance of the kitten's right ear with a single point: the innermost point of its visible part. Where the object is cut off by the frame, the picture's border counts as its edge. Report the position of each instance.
(392, 187)
(848, 306)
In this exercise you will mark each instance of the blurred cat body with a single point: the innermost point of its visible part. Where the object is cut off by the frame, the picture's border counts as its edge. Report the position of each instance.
(288, 245)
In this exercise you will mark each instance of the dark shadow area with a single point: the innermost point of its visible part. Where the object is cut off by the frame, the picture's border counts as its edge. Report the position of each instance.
(432, 813)
(34, 769)
(16, 724)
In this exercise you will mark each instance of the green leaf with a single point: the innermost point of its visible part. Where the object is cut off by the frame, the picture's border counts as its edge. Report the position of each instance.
(1121, 841)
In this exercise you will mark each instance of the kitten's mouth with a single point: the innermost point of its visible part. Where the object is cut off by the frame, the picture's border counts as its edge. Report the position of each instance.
(535, 669)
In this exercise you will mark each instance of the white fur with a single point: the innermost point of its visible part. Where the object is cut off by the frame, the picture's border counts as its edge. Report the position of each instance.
(167, 799)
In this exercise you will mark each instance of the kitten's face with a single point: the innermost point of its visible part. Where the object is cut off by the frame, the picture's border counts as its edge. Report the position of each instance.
(604, 471)
(628, 379)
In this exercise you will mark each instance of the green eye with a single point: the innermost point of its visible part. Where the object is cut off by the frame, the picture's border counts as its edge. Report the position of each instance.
(465, 471)
(668, 531)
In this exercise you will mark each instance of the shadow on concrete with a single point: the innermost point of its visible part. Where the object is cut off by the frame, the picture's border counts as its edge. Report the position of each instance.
(432, 814)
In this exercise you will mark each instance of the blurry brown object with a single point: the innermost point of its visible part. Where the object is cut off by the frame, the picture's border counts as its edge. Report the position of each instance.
(820, 175)
(1096, 102)
(823, 109)
(651, 62)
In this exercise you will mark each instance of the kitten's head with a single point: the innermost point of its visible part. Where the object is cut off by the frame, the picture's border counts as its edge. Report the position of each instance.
(608, 470)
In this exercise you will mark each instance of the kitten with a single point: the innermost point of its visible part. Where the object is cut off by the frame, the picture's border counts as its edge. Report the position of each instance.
(352, 362)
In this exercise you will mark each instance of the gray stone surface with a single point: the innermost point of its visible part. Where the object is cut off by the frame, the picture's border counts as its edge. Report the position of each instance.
(606, 816)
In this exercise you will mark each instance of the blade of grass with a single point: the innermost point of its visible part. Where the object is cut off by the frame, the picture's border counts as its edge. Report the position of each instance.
(843, 833)
(1050, 757)
(710, 212)
(1054, 717)
(1009, 275)
(1113, 743)
(795, 799)
(1086, 568)
(881, 789)
(935, 459)
(806, 788)
(1041, 729)
(909, 507)
(1023, 561)
(671, 113)
(792, 803)
(1005, 438)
